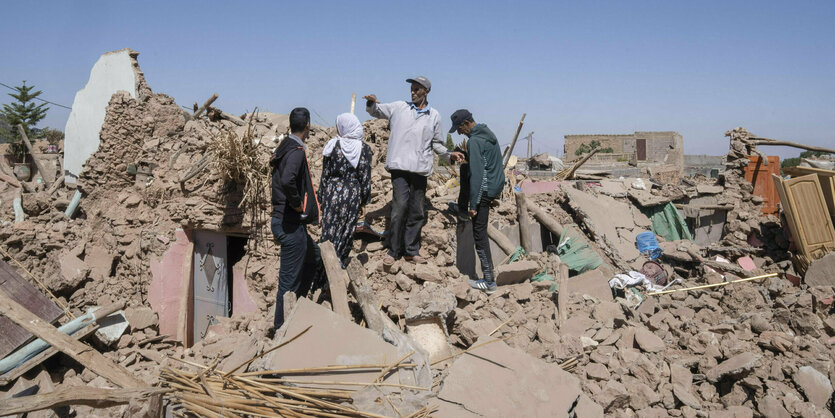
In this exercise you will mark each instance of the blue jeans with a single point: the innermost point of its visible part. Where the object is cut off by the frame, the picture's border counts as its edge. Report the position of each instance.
(300, 264)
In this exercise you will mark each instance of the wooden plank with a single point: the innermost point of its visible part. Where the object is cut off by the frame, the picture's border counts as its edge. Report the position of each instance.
(41, 168)
(184, 318)
(758, 175)
(77, 395)
(43, 356)
(89, 358)
(500, 239)
(524, 222)
(337, 280)
(807, 215)
(12, 335)
(826, 179)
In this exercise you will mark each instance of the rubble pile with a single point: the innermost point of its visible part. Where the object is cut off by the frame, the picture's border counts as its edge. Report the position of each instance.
(756, 348)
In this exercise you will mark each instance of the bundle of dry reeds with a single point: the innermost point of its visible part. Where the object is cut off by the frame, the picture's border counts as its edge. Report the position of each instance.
(212, 393)
(238, 160)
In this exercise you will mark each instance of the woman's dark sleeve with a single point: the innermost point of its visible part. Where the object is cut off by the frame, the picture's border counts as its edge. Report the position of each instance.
(327, 172)
(365, 173)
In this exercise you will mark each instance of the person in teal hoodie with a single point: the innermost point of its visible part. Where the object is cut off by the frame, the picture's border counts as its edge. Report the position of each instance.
(486, 180)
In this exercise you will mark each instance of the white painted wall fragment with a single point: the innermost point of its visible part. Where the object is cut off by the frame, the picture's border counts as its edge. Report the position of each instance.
(113, 72)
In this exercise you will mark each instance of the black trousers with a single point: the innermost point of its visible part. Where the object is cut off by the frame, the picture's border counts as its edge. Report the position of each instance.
(407, 213)
(300, 264)
(482, 242)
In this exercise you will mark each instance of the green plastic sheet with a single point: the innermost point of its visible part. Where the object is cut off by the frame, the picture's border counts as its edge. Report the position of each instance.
(574, 250)
(667, 222)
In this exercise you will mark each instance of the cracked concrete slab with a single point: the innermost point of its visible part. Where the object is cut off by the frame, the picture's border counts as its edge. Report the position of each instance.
(497, 380)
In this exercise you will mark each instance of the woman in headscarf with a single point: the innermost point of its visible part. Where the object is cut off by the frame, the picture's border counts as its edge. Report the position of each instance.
(346, 184)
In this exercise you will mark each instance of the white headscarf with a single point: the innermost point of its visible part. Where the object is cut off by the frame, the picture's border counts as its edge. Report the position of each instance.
(349, 137)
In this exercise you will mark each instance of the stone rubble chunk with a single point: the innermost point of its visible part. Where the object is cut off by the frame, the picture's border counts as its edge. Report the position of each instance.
(141, 317)
(734, 367)
(814, 384)
(648, 341)
(685, 397)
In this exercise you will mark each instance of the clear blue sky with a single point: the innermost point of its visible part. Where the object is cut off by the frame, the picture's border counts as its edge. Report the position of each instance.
(699, 68)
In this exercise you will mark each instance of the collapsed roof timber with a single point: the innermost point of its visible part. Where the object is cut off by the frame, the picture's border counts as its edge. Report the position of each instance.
(153, 226)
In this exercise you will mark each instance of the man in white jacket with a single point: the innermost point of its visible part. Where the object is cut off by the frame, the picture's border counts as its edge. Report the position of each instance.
(415, 133)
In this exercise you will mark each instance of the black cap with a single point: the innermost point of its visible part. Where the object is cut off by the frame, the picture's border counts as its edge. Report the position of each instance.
(460, 116)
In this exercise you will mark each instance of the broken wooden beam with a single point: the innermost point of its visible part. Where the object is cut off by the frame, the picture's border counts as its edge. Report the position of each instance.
(43, 356)
(768, 141)
(30, 350)
(501, 239)
(80, 352)
(205, 106)
(77, 395)
(231, 118)
(704, 207)
(545, 219)
(337, 279)
(11, 180)
(509, 151)
(41, 169)
(524, 221)
(569, 173)
(365, 296)
(55, 185)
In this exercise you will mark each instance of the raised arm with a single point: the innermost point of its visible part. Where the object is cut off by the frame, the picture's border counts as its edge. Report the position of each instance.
(377, 109)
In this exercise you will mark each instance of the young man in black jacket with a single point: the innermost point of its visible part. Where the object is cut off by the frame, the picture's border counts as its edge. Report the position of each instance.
(294, 206)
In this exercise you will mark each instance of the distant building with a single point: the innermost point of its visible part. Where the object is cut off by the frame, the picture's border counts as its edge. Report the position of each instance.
(639, 147)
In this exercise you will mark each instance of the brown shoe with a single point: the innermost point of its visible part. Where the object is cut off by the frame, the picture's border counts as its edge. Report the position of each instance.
(388, 260)
(415, 259)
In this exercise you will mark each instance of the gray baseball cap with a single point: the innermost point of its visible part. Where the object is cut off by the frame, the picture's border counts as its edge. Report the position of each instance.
(423, 81)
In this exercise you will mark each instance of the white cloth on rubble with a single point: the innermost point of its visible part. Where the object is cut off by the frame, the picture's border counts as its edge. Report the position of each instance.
(633, 278)
(349, 137)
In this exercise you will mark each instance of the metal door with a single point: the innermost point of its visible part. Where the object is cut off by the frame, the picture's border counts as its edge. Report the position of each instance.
(211, 285)
(641, 149)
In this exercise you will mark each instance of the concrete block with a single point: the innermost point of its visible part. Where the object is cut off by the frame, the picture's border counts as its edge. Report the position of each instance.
(591, 283)
(331, 340)
(516, 272)
(504, 368)
(112, 328)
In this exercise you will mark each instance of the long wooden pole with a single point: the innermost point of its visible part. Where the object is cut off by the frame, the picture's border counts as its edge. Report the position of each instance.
(26, 142)
(337, 280)
(509, 151)
(582, 161)
(767, 141)
(205, 106)
(524, 221)
(707, 286)
(76, 395)
(80, 352)
(545, 219)
(503, 241)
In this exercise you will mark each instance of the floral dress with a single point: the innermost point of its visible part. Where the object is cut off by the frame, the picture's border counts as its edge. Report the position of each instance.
(342, 192)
